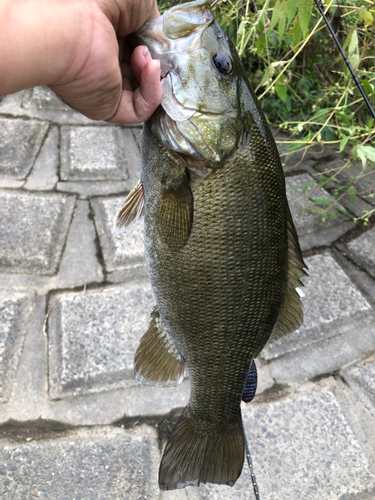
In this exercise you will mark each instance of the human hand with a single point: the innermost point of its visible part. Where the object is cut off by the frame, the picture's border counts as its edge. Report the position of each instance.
(96, 84)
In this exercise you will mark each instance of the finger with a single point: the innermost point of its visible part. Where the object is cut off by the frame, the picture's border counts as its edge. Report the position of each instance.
(138, 106)
(138, 60)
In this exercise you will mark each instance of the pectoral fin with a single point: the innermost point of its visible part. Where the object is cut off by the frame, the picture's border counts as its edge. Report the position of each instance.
(291, 315)
(133, 207)
(176, 208)
(157, 361)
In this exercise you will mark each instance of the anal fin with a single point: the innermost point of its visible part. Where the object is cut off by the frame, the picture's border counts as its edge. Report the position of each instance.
(157, 361)
(132, 208)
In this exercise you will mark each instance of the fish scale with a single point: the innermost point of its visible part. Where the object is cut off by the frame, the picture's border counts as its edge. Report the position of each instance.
(225, 211)
(221, 248)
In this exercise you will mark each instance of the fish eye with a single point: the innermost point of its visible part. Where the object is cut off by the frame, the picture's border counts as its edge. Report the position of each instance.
(222, 63)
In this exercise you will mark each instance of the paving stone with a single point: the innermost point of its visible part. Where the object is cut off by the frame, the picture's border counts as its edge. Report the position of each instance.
(87, 189)
(361, 377)
(20, 141)
(362, 251)
(97, 153)
(100, 464)
(312, 233)
(317, 155)
(137, 133)
(11, 104)
(43, 98)
(79, 263)
(33, 228)
(28, 399)
(21, 104)
(11, 183)
(15, 309)
(43, 284)
(93, 338)
(121, 250)
(331, 305)
(363, 178)
(303, 448)
(43, 175)
(114, 405)
(323, 357)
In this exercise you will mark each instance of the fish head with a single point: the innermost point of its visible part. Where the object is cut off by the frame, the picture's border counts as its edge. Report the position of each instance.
(200, 112)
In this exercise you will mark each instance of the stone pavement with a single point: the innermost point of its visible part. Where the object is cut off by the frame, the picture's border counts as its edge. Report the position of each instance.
(75, 300)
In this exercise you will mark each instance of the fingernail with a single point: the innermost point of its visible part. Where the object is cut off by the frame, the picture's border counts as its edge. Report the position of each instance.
(145, 51)
(157, 63)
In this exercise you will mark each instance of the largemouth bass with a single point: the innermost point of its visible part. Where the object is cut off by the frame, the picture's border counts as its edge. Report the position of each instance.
(221, 247)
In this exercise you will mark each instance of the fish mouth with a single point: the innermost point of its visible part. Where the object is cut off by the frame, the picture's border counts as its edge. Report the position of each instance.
(197, 110)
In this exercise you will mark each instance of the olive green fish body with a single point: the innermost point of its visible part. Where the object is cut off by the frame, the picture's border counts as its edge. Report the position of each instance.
(221, 293)
(221, 248)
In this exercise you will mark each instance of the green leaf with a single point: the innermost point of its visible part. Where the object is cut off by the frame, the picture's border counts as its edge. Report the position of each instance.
(370, 123)
(276, 14)
(366, 17)
(344, 141)
(321, 113)
(260, 44)
(282, 23)
(353, 52)
(369, 151)
(291, 9)
(296, 37)
(288, 103)
(320, 201)
(367, 87)
(366, 153)
(306, 187)
(281, 89)
(352, 192)
(242, 27)
(294, 146)
(304, 14)
(342, 211)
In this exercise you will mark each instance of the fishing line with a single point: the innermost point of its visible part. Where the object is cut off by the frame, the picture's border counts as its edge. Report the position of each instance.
(355, 78)
(213, 3)
(250, 462)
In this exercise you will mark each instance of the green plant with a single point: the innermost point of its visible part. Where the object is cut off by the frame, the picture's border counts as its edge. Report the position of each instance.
(303, 82)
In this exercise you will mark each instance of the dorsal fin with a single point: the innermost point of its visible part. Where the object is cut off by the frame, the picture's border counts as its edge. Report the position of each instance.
(157, 361)
(291, 315)
(132, 208)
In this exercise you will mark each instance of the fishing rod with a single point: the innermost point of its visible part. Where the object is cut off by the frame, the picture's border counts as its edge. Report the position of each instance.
(353, 73)
(250, 463)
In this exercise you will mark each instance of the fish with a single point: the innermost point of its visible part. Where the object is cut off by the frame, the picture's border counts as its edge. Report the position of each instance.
(222, 251)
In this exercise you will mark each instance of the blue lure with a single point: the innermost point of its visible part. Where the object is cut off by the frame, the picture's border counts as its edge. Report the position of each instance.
(251, 384)
(247, 396)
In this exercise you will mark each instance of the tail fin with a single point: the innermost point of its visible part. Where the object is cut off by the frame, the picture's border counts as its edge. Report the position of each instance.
(194, 455)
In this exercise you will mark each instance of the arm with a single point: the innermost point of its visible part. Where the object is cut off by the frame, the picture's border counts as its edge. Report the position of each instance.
(72, 46)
